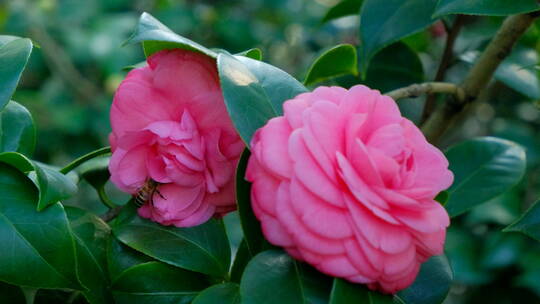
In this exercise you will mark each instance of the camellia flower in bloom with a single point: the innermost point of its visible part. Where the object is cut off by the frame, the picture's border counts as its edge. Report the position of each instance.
(345, 183)
(170, 128)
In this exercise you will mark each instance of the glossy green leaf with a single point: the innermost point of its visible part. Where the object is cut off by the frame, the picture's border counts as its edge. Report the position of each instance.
(248, 105)
(337, 61)
(91, 235)
(274, 270)
(485, 7)
(253, 237)
(483, 168)
(381, 25)
(225, 293)
(13, 58)
(11, 294)
(528, 223)
(53, 186)
(157, 283)
(277, 84)
(432, 283)
(95, 171)
(17, 130)
(342, 9)
(241, 259)
(202, 248)
(121, 257)
(394, 67)
(267, 273)
(345, 292)
(252, 53)
(156, 37)
(36, 243)
(7, 38)
(518, 72)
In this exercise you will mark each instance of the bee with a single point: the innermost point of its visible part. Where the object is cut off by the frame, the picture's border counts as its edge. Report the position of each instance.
(146, 193)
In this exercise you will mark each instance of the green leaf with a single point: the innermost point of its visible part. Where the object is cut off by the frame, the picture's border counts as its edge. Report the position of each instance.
(345, 292)
(528, 223)
(381, 25)
(13, 58)
(483, 7)
(121, 257)
(11, 294)
(394, 67)
(95, 171)
(342, 9)
(157, 283)
(268, 272)
(253, 237)
(254, 53)
(17, 131)
(442, 197)
(483, 168)
(277, 84)
(247, 103)
(203, 248)
(241, 259)
(91, 235)
(225, 293)
(53, 186)
(156, 37)
(518, 72)
(38, 249)
(274, 277)
(432, 283)
(337, 61)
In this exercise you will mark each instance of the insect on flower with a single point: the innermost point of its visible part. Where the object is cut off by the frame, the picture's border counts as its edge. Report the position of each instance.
(146, 193)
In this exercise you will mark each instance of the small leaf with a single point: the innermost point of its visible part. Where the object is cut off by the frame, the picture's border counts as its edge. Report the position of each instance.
(91, 235)
(342, 9)
(381, 25)
(13, 58)
(53, 186)
(528, 223)
(518, 73)
(248, 105)
(203, 248)
(337, 61)
(156, 37)
(442, 197)
(252, 53)
(17, 131)
(483, 168)
(345, 292)
(241, 260)
(95, 171)
(157, 283)
(274, 277)
(39, 249)
(482, 7)
(225, 293)
(432, 283)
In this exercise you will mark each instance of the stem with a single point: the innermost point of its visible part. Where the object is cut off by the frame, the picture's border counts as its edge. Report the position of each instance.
(74, 164)
(104, 198)
(111, 214)
(448, 53)
(416, 90)
(480, 74)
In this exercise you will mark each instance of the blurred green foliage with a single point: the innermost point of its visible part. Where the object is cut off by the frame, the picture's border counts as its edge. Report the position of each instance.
(72, 74)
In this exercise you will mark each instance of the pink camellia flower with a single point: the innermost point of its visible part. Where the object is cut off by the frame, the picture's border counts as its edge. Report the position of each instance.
(345, 183)
(170, 126)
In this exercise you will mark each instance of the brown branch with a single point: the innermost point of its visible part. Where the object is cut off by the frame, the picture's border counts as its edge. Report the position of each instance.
(416, 90)
(447, 56)
(58, 61)
(111, 214)
(480, 74)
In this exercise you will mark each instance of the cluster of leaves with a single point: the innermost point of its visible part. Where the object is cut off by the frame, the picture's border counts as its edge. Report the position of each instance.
(132, 260)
